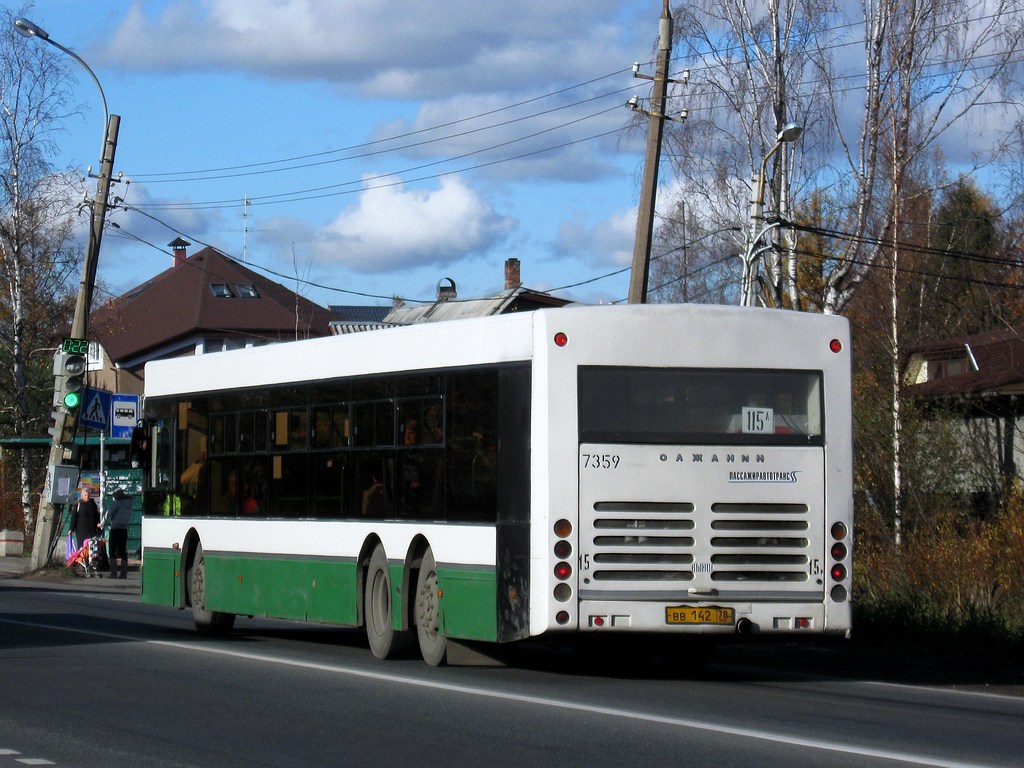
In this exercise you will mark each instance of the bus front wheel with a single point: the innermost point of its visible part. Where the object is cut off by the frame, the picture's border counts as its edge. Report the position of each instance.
(427, 612)
(207, 622)
(385, 641)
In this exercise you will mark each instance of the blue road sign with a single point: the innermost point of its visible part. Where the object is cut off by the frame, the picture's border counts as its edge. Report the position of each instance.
(95, 412)
(124, 415)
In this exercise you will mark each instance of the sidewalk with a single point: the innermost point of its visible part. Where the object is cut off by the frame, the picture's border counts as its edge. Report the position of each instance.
(18, 567)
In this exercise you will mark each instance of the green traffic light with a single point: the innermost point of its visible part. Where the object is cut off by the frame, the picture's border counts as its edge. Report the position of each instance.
(72, 400)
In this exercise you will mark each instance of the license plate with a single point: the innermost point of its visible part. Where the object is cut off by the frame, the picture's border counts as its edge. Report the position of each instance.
(687, 614)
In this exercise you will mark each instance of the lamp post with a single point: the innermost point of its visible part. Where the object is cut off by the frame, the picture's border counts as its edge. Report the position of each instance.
(790, 132)
(79, 326)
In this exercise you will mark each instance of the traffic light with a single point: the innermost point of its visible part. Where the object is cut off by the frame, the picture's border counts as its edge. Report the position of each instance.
(69, 367)
(70, 379)
(63, 429)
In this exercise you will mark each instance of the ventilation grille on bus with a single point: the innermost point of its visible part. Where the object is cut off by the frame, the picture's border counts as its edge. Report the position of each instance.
(650, 543)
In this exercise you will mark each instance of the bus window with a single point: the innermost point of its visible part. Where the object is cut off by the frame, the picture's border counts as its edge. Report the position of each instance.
(693, 406)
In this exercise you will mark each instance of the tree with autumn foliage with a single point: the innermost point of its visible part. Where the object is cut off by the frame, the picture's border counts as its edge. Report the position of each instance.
(38, 257)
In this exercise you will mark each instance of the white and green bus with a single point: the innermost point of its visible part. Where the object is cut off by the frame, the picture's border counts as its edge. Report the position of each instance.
(652, 470)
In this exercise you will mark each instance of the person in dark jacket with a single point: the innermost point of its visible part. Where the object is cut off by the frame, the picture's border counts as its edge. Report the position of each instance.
(118, 515)
(85, 518)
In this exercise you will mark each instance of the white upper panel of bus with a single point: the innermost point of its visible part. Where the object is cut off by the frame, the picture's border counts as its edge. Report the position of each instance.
(651, 334)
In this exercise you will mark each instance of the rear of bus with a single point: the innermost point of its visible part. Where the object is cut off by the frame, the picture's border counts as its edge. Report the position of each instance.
(698, 464)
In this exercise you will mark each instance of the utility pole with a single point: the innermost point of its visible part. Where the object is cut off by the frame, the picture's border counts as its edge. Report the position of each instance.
(649, 188)
(46, 518)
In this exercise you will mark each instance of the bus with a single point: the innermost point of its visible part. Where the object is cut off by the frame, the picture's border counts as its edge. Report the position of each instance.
(657, 471)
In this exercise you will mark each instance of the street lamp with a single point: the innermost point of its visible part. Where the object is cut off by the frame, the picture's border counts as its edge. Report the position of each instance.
(79, 327)
(790, 132)
(28, 29)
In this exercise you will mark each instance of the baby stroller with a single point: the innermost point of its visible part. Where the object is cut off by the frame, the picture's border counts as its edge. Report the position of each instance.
(89, 556)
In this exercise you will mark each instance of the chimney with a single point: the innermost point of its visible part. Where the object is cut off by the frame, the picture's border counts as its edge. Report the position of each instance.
(178, 246)
(512, 278)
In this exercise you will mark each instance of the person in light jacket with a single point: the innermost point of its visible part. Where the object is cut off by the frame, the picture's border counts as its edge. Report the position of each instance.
(118, 514)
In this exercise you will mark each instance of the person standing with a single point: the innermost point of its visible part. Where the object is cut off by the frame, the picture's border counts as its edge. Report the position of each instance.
(119, 514)
(85, 518)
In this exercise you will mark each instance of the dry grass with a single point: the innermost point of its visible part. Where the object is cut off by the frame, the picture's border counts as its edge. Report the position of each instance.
(956, 584)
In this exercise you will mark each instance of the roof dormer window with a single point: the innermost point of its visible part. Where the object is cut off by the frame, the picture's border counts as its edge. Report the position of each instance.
(247, 291)
(221, 290)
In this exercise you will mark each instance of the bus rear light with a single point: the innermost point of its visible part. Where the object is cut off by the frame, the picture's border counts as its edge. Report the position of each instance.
(839, 531)
(835, 345)
(838, 593)
(563, 528)
(563, 571)
(562, 617)
(563, 549)
(562, 592)
(838, 551)
(561, 339)
(838, 572)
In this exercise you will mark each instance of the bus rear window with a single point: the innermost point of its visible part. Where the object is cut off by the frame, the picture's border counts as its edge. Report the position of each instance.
(690, 406)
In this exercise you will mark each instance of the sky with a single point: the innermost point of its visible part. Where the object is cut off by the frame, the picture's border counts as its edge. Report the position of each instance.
(381, 146)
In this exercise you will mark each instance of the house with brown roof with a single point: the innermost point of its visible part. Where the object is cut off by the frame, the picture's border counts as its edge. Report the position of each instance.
(205, 302)
(979, 378)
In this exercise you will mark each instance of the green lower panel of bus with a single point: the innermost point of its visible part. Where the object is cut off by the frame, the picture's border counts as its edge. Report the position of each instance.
(160, 577)
(318, 590)
(305, 590)
(469, 603)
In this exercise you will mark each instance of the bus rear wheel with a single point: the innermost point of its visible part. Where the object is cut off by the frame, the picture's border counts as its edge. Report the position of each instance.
(385, 641)
(433, 644)
(207, 622)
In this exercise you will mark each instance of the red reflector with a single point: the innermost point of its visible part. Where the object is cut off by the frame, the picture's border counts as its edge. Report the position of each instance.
(561, 339)
(599, 621)
(803, 623)
(563, 571)
(838, 572)
(835, 345)
(562, 617)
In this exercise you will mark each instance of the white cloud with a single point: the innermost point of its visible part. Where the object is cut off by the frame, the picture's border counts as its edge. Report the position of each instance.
(403, 48)
(392, 228)
(606, 243)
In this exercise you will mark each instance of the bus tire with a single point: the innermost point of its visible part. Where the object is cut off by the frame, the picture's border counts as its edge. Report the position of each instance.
(207, 622)
(385, 641)
(427, 612)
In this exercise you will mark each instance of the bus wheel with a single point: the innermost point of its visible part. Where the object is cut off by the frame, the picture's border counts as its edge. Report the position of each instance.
(427, 613)
(207, 622)
(385, 641)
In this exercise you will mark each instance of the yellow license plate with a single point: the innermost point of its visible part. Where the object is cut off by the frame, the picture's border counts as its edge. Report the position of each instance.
(688, 614)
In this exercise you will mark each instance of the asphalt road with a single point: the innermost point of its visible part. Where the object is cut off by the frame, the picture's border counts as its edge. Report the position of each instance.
(89, 677)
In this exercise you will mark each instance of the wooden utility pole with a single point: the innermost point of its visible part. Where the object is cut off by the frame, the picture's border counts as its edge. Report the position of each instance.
(46, 518)
(649, 190)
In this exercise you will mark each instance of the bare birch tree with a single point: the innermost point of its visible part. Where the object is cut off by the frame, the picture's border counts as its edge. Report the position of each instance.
(752, 72)
(35, 237)
(932, 71)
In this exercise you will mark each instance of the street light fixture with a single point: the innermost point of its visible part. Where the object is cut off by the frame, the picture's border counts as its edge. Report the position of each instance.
(79, 328)
(790, 132)
(28, 29)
